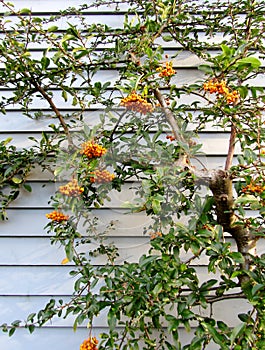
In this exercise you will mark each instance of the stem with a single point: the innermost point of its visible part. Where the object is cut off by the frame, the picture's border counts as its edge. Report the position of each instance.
(231, 148)
(56, 111)
(169, 116)
(212, 300)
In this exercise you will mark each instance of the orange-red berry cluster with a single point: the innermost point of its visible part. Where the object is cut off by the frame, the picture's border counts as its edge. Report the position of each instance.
(220, 88)
(170, 137)
(71, 189)
(92, 150)
(154, 235)
(57, 216)
(89, 344)
(166, 70)
(135, 102)
(253, 188)
(101, 176)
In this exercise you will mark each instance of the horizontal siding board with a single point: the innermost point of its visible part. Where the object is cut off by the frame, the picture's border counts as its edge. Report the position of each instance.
(38, 251)
(182, 60)
(30, 268)
(183, 76)
(43, 339)
(43, 281)
(23, 306)
(195, 102)
(17, 123)
(212, 143)
(126, 223)
(209, 161)
(64, 338)
(51, 6)
(41, 193)
(35, 280)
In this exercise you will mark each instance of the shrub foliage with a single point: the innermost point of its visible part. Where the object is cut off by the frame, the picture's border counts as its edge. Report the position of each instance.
(146, 134)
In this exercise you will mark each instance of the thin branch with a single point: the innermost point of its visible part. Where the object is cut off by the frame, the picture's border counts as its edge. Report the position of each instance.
(231, 148)
(56, 111)
(169, 116)
(212, 300)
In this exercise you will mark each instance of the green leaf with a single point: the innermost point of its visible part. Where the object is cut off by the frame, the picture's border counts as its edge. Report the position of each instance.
(156, 206)
(52, 29)
(249, 61)
(167, 38)
(243, 90)
(145, 260)
(64, 95)
(69, 251)
(205, 68)
(112, 320)
(218, 338)
(246, 199)
(158, 288)
(45, 62)
(68, 37)
(31, 328)
(27, 187)
(227, 51)
(208, 284)
(237, 257)
(236, 331)
(257, 287)
(16, 180)
(11, 331)
(25, 11)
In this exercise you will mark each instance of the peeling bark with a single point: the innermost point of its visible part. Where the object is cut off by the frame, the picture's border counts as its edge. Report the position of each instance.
(222, 188)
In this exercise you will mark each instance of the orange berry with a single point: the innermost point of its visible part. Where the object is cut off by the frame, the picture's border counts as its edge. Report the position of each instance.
(166, 70)
(253, 188)
(57, 216)
(220, 87)
(170, 137)
(101, 176)
(71, 189)
(136, 103)
(154, 235)
(92, 150)
(89, 344)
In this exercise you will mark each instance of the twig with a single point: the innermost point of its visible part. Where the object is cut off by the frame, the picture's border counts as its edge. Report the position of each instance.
(169, 116)
(225, 297)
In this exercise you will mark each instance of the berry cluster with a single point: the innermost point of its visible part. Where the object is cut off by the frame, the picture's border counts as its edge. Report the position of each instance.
(232, 97)
(135, 102)
(253, 188)
(57, 216)
(170, 137)
(214, 86)
(166, 70)
(154, 235)
(92, 150)
(72, 189)
(101, 176)
(89, 344)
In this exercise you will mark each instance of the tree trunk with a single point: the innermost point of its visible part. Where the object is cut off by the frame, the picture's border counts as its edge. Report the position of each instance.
(222, 188)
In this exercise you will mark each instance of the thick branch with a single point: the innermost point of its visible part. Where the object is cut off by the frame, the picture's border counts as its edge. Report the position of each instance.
(231, 149)
(222, 188)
